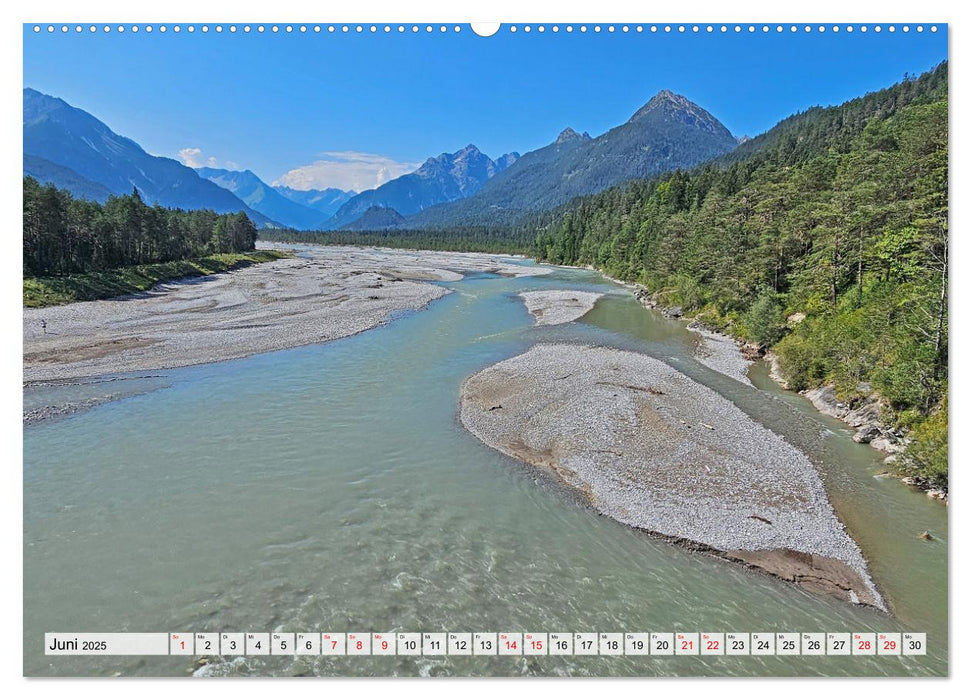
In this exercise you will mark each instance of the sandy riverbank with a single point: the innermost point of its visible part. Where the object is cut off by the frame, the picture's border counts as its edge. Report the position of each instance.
(555, 306)
(649, 447)
(330, 293)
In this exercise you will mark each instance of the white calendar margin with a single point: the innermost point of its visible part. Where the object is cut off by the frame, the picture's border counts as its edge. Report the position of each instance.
(11, 645)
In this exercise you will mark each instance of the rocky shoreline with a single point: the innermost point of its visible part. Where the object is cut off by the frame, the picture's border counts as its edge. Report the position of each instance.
(864, 416)
(646, 445)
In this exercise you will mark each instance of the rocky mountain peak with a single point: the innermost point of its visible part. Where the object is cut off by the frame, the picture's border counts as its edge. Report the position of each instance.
(568, 135)
(668, 105)
(505, 160)
(664, 100)
(469, 151)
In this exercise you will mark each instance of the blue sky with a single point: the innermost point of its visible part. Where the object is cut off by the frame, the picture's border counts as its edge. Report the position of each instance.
(314, 110)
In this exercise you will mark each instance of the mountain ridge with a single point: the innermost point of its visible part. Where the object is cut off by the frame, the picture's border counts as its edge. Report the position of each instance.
(668, 132)
(263, 198)
(464, 187)
(79, 142)
(64, 178)
(327, 201)
(442, 178)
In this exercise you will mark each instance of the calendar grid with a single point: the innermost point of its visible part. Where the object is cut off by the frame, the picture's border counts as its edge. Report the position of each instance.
(432, 644)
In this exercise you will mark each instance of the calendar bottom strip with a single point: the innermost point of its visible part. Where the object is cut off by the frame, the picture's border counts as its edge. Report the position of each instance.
(487, 644)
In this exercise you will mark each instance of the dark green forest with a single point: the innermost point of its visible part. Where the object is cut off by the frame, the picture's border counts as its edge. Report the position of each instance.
(826, 239)
(64, 235)
(463, 239)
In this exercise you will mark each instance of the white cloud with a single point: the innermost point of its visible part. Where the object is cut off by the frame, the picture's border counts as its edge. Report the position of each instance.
(347, 170)
(191, 157)
(194, 159)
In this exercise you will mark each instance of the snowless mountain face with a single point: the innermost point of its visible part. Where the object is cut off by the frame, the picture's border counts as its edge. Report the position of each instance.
(445, 178)
(63, 177)
(72, 149)
(667, 107)
(265, 199)
(667, 133)
(326, 201)
(568, 135)
(375, 219)
(505, 160)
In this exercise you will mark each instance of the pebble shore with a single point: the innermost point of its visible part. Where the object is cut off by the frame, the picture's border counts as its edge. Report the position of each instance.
(722, 354)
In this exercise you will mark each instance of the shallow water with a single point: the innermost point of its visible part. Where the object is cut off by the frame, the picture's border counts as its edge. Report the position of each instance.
(331, 488)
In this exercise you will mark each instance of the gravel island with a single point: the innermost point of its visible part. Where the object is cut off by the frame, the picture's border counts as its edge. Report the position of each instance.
(644, 444)
(552, 307)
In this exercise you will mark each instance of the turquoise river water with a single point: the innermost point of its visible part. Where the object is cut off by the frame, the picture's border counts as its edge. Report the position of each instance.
(332, 488)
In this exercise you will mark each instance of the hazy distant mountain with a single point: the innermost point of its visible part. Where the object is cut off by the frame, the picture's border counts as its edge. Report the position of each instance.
(73, 139)
(265, 199)
(667, 133)
(505, 160)
(327, 201)
(445, 178)
(376, 218)
(49, 173)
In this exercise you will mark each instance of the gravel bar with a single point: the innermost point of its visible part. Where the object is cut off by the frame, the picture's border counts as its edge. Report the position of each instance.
(651, 448)
(552, 307)
(326, 293)
(722, 354)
